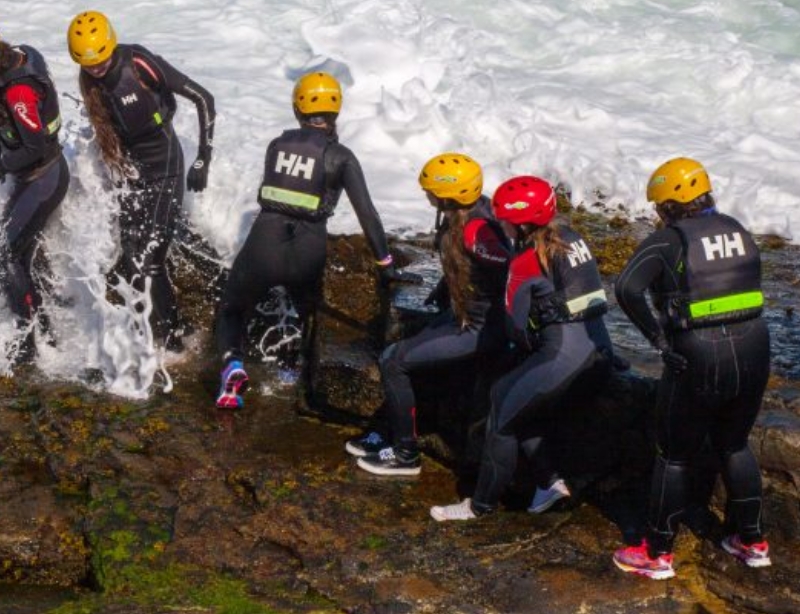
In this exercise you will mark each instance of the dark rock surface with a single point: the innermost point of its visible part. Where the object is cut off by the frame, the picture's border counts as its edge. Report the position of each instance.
(112, 506)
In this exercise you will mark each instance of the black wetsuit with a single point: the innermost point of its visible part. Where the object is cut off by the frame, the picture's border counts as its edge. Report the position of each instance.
(727, 348)
(31, 154)
(555, 319)
(305, 171)
(446, 340)
(139, 91)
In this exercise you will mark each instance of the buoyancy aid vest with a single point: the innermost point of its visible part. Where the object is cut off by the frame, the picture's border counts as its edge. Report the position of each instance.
(294, 178)
(32, 69)
(578, 289)
(136, 109)
(719, 274)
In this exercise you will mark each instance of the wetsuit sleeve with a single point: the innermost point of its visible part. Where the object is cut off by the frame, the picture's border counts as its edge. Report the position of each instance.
(481, 240)
(526, 281)
(22, 101)
(355, 186)
(157, 73)
(652, 262)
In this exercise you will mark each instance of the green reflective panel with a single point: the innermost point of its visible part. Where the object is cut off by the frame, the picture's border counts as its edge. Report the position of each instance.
(727, 304)
(290, 197)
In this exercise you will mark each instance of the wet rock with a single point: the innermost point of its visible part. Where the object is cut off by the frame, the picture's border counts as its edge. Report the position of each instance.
(170, 505)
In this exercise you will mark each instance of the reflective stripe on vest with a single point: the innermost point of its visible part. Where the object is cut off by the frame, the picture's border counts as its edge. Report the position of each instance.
(584, 302)
(726, 304)
(290, 197)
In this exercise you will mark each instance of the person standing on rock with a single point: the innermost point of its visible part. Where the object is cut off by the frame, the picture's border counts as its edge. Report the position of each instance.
(129, 94)
(703, 271)
(31, 155)
(305, 171)
(554, 305)
(474, 252)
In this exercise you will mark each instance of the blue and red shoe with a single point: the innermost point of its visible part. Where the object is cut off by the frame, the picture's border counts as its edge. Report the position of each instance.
(234, 383)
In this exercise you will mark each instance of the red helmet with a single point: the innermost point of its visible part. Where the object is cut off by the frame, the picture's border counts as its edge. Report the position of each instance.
(525, 200)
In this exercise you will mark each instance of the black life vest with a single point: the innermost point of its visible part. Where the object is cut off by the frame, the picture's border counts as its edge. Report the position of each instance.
(136, 110)
(578, 289)
(719, 275)
(294, 178)
(33, 69)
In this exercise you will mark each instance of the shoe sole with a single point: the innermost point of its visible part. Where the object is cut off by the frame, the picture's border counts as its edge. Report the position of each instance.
(754, 563)
(662, 574)
(407, 471)
(438, 516)
(353, 451)
(229, 402)
(543, 507)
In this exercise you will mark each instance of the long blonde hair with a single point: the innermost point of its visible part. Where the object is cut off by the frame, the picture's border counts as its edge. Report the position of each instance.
(546, 241)
(107, 138)
(456, 264)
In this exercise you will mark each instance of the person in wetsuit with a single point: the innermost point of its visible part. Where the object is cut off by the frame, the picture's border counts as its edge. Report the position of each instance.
(305, 171)
(31, 155)
(474, 253)
(554, 305)
(703, 271)
(129, 93)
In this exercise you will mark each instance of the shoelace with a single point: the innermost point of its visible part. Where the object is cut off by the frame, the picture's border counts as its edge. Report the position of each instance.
(386, 454)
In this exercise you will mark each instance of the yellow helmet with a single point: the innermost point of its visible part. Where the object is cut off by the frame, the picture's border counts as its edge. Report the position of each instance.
(453, 176)
(679, 179)
(317, 92)
(91, 38)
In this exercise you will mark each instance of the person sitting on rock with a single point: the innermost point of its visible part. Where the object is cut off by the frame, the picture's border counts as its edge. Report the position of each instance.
(305, 171)
(703, 270)
(474, 253)
(554, 304)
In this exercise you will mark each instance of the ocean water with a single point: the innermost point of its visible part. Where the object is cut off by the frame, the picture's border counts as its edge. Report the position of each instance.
(592, 95)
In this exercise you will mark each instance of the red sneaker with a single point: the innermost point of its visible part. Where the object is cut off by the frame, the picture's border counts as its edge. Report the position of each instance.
(752, 555)
(636, 559)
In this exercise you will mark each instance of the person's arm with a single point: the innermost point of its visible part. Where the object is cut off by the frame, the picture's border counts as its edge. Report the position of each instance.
(157, 73)
(640, 273)
(355, 186)
(655, 257)
(525, 281)
(22, 101)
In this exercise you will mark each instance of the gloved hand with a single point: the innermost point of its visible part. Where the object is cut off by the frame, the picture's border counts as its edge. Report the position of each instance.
(197, 177)
(674, 361)
(389, 274)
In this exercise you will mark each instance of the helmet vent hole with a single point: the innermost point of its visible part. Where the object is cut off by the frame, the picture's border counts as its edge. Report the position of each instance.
(315, 99)
(678, 187)
(694, 182)
(93, 30)
(78, 32)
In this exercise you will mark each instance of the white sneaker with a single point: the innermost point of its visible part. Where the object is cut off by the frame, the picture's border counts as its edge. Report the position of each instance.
(543, 500)
(456, 511)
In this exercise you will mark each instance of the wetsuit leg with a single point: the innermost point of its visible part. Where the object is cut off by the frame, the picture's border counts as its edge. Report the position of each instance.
(734, 421)
(717, 397)
(517, 401)
(441, 343)
(278, 251)
(25, 216)
(148, 218)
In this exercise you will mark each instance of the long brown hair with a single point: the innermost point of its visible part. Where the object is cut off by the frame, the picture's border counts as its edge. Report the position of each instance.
(455, 263)
(107, 138)
(546, 241)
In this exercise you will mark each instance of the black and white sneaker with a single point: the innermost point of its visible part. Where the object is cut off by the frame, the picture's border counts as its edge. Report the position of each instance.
(390, 462)
(371, 443)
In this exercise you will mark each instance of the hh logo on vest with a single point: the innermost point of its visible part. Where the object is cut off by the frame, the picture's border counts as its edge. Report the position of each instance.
(723, 246)
(578, 253)
(129, 99)
(294, 165)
